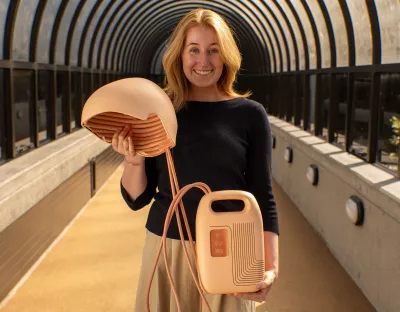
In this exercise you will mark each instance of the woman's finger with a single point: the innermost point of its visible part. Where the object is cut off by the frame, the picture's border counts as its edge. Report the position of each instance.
(131, 147)
(269, 279)
(264, 284)
(251, 296)
(114, 141)
(125, 145)
(121, 139)
(258, 296)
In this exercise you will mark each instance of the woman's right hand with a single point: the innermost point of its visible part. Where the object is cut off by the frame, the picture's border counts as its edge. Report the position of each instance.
(122, 143)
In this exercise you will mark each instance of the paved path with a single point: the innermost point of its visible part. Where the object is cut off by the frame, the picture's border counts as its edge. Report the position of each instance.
(95, 266)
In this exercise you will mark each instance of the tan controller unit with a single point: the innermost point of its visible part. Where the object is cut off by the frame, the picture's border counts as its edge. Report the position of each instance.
(230, 245)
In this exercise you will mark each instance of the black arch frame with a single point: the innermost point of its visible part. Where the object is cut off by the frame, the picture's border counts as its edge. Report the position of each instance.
(121, 54)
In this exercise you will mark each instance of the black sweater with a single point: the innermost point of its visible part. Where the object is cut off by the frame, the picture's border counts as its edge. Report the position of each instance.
(225, 144)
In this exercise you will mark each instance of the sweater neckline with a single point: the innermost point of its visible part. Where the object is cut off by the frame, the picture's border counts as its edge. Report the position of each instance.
(215, 102)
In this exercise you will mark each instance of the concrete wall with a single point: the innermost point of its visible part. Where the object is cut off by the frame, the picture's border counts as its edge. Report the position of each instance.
(26, 180)
(370, 253)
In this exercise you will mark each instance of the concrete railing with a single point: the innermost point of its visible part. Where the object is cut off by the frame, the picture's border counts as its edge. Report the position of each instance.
(29, 178)
(369, 252)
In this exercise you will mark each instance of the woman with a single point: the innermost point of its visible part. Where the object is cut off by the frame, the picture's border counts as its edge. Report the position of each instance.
(223, 140)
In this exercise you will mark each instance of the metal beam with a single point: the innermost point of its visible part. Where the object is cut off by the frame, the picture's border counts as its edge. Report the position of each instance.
(35, 30)
(315, 32)
(333, 101)
(98, 26)
(9, 78)
(133, 39)
(32, 58)
(289, 26)
(71, 31)
(143, 36)
(240, 7)
(56, 28)
(375, 104)
(303, 34)
(350, 32)
(85, 30)
(113, 33)
(285, 40)
(331, 35)
(349, 135)
(138, 24)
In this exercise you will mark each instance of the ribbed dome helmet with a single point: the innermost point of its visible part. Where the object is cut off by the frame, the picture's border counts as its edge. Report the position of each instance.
(139, 103)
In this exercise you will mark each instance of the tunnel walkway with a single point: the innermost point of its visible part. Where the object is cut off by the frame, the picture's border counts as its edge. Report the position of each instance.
(94, 265)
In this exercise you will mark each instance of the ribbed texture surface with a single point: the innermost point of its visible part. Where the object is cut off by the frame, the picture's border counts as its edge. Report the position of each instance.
(149, 136)
(247, 269)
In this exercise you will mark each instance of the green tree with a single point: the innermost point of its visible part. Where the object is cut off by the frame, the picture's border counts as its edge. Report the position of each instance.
(395, 140)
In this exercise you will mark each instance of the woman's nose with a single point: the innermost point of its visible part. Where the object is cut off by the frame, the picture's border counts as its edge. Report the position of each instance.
(204, 58)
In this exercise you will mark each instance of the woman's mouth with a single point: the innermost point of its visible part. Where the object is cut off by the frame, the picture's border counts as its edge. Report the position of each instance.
(203, 72)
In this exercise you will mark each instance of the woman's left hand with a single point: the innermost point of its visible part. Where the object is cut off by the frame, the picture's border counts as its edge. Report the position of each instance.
(264, 288)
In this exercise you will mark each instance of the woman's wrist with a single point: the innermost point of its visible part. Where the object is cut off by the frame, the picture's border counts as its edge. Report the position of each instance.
(136, 160)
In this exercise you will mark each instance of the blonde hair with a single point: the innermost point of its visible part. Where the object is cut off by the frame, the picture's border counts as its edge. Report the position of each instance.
(176, 83)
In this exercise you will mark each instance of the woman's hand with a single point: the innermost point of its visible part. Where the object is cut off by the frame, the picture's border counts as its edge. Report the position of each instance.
(122, 143)
(264, 288)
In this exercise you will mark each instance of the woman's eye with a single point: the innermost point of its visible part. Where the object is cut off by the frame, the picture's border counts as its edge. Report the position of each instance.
(194, 50)
(212, 51)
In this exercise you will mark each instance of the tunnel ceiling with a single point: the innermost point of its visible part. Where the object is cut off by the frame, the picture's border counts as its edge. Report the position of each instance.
(129, 36)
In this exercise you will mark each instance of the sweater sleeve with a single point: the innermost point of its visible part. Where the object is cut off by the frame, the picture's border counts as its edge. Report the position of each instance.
(258, 168)
(152, 180)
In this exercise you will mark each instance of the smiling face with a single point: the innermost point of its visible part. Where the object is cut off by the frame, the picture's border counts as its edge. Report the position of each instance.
(201, 59)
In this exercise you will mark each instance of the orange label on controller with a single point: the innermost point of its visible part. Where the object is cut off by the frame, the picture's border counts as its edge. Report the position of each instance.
(219, 243)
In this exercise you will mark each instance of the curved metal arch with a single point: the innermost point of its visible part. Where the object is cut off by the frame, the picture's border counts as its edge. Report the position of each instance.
(184, 8)
(170, 7)
(126, 32)
(9, 98)
(156, 57)
(153, 44)
(152, 40)
(329, 26)
(264, 32)
(277, 42)
(71, 31)
(285, 39)
(376, 32)
(140, 52)
(85, 30)
(129, 33)
(315, 32)
(303, 34)
(239, 28)
(108, 28)
(97, 29)
(292, 34)
(265, 37)
(157, 46)
(271, 52)
(121, 33)
(56, 28)
(9, 29)
(350, 32)
(153, 59)
(35, 30)
(132, 62)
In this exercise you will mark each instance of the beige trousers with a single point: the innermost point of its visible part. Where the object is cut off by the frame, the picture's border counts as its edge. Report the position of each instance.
(161, 296)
